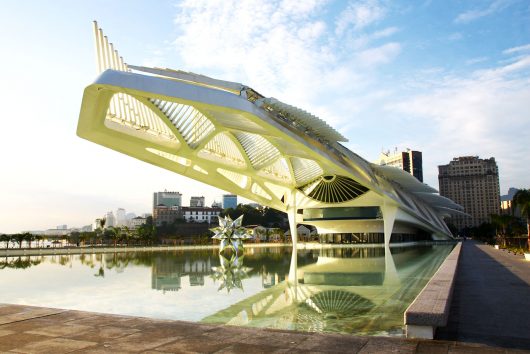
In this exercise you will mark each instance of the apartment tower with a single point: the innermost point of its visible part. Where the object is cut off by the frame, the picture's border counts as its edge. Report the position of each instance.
(410, 161)
(473, 183)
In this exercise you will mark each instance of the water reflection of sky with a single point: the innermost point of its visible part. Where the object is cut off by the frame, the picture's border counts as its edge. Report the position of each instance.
(143, 290)
(180, 285)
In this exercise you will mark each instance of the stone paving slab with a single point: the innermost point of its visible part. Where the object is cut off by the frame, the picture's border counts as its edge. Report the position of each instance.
(65, 331)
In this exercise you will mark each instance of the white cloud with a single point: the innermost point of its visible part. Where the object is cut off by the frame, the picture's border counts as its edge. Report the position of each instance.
(359, 14)
(455, 36)
(476, 60)
(365, 39)
(522, 48)
(483, 114)
(379, 55)
(472, 15)
(288, 52)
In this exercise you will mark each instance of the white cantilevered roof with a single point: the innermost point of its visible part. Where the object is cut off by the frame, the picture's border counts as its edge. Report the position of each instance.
(227, 135)
(403, 178)
(305, 119)
(413, 186)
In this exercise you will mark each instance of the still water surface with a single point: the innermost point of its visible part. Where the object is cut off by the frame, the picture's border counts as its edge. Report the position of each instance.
(348, 290)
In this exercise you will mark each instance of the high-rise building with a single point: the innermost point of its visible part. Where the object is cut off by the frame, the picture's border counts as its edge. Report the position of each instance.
(166, 214)
(229, 201)
(474, 184)
(507, 206)
(197, 202)
(110, 220)
(169, 199)
(121, 219)
(410, 161)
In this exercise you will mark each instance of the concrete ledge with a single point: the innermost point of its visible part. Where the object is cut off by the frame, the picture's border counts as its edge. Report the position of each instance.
(15, 252)
(431, 307)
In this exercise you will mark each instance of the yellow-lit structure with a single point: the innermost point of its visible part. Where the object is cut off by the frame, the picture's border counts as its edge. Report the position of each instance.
(229, 136)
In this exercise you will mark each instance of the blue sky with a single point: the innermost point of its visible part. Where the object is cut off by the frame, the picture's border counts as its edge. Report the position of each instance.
(449, 78)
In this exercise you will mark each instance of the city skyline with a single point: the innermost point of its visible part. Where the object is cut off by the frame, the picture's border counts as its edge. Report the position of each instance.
(446, 79)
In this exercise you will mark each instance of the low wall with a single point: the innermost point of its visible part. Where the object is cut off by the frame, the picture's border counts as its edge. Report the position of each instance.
(11, 252)
(431, 307)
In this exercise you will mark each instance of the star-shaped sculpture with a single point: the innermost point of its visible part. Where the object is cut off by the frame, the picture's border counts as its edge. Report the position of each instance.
(231, 234)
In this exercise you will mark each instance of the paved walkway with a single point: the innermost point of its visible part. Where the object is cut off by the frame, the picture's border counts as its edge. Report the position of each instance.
(25, 329)
(491, 300)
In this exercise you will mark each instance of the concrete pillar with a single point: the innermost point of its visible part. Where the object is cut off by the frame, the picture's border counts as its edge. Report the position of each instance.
(391, 276)
(291, 214)
(389, 216)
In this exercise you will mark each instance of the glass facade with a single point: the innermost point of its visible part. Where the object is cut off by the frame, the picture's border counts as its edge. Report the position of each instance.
(346, 213)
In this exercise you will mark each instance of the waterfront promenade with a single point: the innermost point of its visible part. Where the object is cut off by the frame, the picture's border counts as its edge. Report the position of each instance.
(491, 300)
(26, 329)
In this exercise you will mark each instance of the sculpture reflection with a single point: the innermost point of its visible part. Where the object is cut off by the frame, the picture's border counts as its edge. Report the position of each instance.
(230, 273)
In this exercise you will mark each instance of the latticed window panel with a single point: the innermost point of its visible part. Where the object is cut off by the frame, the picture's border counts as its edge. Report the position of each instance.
(237, 178)
(259, 150)
(222, 149)
(127, 111)
(333, 189)
(305, 170)
(189, 121)
(278, 170)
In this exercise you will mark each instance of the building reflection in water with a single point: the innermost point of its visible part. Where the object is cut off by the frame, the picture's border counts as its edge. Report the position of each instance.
(352, 290)
(272, 265)
(168, 270)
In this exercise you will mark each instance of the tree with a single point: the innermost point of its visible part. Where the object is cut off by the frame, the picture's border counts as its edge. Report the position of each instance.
(521, 199)
(102, 222)
(38, 238)
(19, 238)
(28, 237)
(146, 233)
(501, 222)
(5, 238)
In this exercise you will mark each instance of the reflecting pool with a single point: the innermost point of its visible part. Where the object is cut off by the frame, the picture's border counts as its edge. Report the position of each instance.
(347, 289)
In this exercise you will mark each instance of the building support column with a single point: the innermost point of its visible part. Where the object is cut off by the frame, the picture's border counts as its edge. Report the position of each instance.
(291, 214)
(389, 216)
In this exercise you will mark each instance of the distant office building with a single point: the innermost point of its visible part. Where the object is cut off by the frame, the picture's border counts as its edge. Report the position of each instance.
(201, 214)
(410, 161)
(97, 223)
(166, 214)
(121, 219)
(62, 227)
(474, 184)
(169, 199)
(507, 205)
(197, 202)
(87, 228)
(229, 201)
(137, 222)
(110, 220)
